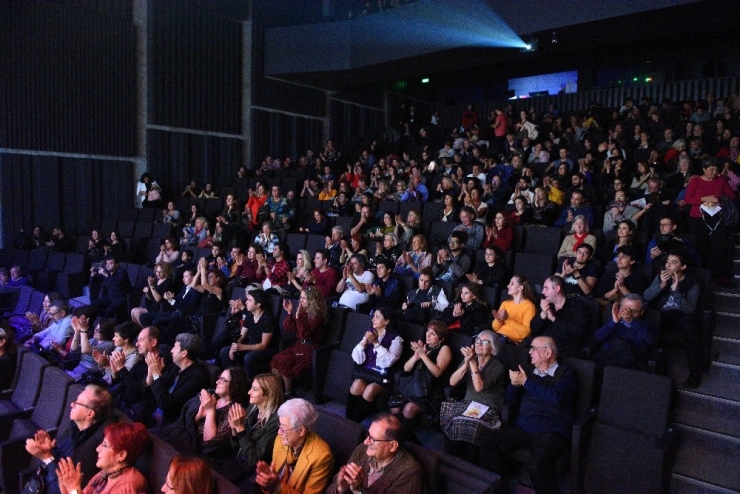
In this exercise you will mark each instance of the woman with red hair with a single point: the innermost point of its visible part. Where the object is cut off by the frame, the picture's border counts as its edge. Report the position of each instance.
(122, 445)
(189, 476)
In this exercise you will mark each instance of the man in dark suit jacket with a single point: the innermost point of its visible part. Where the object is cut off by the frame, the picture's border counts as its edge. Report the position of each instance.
(115, 289)
(182, 304)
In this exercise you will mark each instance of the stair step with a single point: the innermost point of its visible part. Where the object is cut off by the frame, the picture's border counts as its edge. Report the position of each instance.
(727, 325)
(708, 457)
(728, 304)
(720, 380)
(707, 412)
(727, 350)
(681, 484)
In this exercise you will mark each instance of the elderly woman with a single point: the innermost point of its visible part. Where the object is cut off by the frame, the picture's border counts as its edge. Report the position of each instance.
(388, 250)
(431, 357)
(512, 320)
(301, 461)
(578, 235)
(308, 324)
(485, 381)
(122, 445)
(189, 475)
(377, 351)
(100, 341)
(254, 429)
(157, 286)
(266, 238)
(194, 235)
(412, 262)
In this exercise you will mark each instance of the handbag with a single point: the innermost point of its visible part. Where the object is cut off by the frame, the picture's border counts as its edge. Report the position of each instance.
(416, 384)
(369, 375)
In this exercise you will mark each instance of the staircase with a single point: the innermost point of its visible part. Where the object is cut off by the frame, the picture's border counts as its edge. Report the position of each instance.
(707, 419)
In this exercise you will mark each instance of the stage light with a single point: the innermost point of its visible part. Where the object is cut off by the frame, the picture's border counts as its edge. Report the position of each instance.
(425, 80)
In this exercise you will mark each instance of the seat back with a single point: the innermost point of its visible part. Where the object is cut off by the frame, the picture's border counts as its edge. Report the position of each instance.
(37, 302)
(440, 231)
(537, 267)
(19, 353)
(296, 242)
(53, 396)
(429, 461)
(341, 434)
(542, 239)
(55, 262)
(75, 263)
(339, 374)
(27, 389)
(357, 325)
(585, 371)
(24, 301)
(315, 242)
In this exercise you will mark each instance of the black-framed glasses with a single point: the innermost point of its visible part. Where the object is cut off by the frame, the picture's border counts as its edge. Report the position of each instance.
(373, 440)
(78, 404)
(223, 380)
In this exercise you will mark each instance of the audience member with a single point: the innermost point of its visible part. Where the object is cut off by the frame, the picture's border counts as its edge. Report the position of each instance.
(626, 338)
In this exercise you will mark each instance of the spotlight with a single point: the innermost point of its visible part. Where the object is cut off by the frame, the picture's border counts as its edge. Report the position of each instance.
(531, 45)
(554, 38)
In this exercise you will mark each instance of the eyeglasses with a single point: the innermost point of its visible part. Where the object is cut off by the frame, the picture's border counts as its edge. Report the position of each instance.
(538, 348)
(54, 313)
(373, 440)
(283, 430)
(222, 379)
(78, 404)
(481, 341)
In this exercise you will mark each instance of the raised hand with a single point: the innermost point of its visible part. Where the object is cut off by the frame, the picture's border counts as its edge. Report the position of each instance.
(69, 475)
(237, 417)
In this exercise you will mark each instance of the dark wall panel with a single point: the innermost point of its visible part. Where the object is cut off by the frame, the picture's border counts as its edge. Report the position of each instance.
(194, 68)
(175, 158)
(73, 193)
(67, 80)
(281, 135)
(350, 123)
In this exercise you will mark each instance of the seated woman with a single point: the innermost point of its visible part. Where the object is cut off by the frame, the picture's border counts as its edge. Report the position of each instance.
(485, 382)
(203, 427)
(8, 357)
(511, 321)
(95, 252)
(470, 313)
(192, 215)
(116, 246)
(578, 235)
(170, 214)
(31, 323)
(410, 263)
(124, 339)
(208, 192)
(169, 251)
(376, 352)
(431, 357)
(250, 272)
(308, 324)
(157, 286)
(254, 429)
(189, 475)
(500, 234)
(266, 239)
(297, 276)
(625, 238)
(388, 226)
(405, 231)
(122, 445)
(493, 271)
(544, 212)
(195, 235)
(449, 212)
(319, 225)
(211, 284)
(356, 245)
(522, 213)
(101, 341)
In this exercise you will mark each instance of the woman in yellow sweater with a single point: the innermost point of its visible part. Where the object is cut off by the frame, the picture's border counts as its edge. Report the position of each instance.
(513, 317)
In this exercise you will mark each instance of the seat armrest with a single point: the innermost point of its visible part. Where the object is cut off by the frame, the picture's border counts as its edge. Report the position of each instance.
(579, 448)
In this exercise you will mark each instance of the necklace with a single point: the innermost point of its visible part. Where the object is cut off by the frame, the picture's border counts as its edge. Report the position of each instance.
(116, 473)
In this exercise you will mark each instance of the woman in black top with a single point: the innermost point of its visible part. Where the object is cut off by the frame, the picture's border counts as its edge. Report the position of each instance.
(493, 271)
(7, 356)
(470, 313)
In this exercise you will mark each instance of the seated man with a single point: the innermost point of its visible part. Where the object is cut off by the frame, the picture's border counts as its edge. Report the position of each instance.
(354, 283)
(16, 278)
(60, 242)
(576, 208)
(173, 385)
(365, 222)
(323, 277)
(116, 287)
(626, 338)
(579, 273)
(473, 229)
(184, 303)
(546, 416)
(59, 331)
(668, 241)
(275, 270)
(78, 437)
(623, 279)
(426, 302)
(676, 296)
(381, 452)
(132, 387)
(563, 319)
(452, 264)
(618, 210)
(334, 244)
(385, 291)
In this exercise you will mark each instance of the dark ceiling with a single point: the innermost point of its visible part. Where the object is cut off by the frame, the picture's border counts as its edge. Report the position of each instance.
(613, 37)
